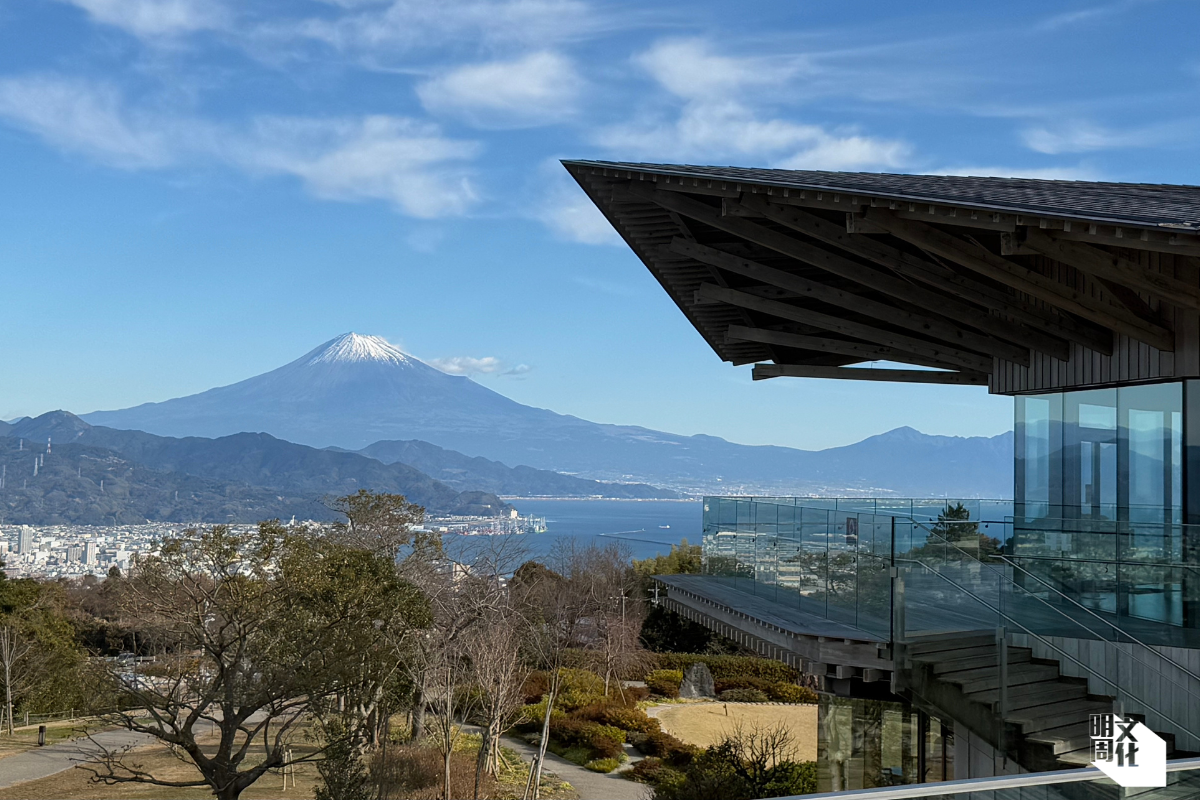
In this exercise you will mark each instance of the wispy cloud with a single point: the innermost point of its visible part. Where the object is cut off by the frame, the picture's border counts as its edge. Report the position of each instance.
(87, 117)
(721, 116)
(469, 366)
(1080, 137)
(1087, 14)
(564, 208)
(408, 163)
(537, 88)
(157, 18)
(393, 27)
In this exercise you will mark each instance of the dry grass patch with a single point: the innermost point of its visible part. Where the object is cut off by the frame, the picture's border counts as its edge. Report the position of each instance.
(705, 724)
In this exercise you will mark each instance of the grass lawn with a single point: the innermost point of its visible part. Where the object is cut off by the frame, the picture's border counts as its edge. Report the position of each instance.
(704, 724)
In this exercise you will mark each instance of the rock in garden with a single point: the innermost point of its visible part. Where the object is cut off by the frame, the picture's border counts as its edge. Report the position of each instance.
(697, 682)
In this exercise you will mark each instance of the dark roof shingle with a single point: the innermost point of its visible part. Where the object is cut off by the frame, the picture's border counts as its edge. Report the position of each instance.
(1141, 204)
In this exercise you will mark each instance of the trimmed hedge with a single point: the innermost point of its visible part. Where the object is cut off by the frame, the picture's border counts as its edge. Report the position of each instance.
(729, 668)
(665, 682)
(743, 696)
(790, 693)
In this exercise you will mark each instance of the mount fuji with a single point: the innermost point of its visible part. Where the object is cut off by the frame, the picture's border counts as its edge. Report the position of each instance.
(362, 393)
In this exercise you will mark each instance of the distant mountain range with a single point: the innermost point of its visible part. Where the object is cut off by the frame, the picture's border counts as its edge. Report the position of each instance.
(243, 478)
(362, 394)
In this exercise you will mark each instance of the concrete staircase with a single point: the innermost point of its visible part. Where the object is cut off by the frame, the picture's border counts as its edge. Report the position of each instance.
(1046, 724)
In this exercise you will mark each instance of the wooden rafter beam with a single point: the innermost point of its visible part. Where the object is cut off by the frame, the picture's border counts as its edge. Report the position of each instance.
(920, 323)
(1044, 334)
(765, 371)
(839, 265)
(1110, 266)
(823, 344)
(710, 293)
(1023, 279)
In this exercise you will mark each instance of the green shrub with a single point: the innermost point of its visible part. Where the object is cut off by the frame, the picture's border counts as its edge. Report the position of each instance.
(792, 777)
(791, 693)
(728, 668)
(743, 696)
(665, 682)
(666, 747)
(602, 764)
(603, 741)
(653, 771)
(627, 719)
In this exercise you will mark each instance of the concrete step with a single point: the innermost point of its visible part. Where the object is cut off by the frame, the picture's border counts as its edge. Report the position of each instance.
(1016, 655)
(1055, 715)
(979, 680)
(1033, 694)
(1064, 739)
(940, 642)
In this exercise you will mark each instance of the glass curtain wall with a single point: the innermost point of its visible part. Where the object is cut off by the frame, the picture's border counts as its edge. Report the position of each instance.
(1101, 498)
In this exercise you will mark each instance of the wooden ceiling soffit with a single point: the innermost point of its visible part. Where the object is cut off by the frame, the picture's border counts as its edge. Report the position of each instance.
(765, 371)
(710, 293)
(1000, 269)
(822, 344)
(1045, 332)
(1113, 267)
(803, 287)
(839, 265)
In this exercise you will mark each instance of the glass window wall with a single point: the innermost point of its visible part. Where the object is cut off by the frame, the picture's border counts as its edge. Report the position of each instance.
(1100, 498)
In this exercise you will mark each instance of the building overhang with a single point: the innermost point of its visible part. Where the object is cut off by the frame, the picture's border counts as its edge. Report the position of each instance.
(1015, 284)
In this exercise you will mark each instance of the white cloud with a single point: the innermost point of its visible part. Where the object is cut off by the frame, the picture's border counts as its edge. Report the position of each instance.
(385, 29)
(466, 365)
(539, 87)
(405, 162)
(85, 117)
(154, 18)
(688, 68)
(564, 208)
(728, 130)
(722, 116)
(1079, 137)
(849, 153)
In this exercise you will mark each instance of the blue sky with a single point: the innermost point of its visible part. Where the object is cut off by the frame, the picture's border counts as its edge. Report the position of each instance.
(197, 191)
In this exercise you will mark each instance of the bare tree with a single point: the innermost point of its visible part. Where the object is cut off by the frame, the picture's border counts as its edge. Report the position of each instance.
(498, 674)
(251, 634)
(14, 649)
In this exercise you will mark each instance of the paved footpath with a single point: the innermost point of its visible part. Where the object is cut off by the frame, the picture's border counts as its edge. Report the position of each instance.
(42, 762)
(590, 785)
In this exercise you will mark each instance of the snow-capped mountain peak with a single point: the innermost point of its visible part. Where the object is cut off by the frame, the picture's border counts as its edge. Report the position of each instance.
(353, 347)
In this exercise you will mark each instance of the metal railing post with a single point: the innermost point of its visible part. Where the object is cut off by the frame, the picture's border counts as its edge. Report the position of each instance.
(1002, 648)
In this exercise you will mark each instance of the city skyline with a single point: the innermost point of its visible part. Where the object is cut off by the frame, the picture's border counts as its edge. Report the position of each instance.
(203, 191)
